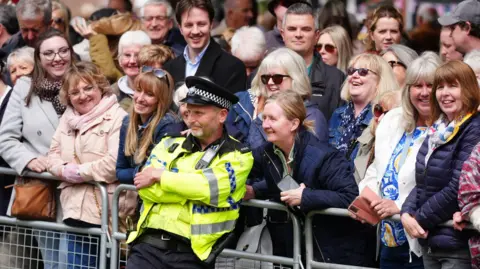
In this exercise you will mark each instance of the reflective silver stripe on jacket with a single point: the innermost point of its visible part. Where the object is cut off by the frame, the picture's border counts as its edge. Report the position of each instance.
(198, 229)
(168, 142)
(213, 185)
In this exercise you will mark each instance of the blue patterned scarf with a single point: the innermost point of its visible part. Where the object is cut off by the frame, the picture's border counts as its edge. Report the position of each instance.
(352, 127)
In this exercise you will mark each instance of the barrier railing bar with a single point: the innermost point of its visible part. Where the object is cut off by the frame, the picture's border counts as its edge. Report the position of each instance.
(102, 232)
(340, 212)
(295, 261)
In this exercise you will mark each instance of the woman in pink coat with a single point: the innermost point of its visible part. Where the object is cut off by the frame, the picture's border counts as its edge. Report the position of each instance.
(84, 149)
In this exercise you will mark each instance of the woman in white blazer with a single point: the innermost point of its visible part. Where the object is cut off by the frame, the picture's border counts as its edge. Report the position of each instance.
(392, 174)
(30, 120)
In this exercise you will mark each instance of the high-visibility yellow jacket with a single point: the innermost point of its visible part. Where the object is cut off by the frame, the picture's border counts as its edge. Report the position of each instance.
(200, 205)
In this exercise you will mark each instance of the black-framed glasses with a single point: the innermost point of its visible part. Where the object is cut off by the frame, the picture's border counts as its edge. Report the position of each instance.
(63, 53)
(361, 71)
(276, 78)
(328, 47)
(378, 111)
(396, 63)
(159, 73)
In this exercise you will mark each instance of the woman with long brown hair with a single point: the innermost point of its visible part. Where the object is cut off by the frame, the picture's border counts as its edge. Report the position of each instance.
(149, 120)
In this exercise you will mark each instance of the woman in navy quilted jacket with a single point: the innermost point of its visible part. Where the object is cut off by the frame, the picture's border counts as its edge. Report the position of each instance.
(454, 132)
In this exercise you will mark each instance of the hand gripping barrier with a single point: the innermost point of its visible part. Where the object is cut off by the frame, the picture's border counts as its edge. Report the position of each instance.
(295, 262)
(339, 212)
(102, 232)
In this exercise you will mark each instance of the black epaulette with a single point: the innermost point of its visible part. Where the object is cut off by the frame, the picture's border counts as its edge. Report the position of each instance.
(173, 134)
(245, 149)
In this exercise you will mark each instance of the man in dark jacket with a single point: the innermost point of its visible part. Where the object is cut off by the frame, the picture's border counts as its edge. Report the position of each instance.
(34, 17)
(157, 20)
(202, 56)
(300, 33)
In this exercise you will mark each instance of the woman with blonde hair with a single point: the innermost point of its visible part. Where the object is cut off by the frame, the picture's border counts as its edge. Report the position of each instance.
(398, 138)
(335, 47)
(84, 149)
(149, 120)
(321, 175)
(61, 18)
(385, 27)
(369, 76)
(282, 70)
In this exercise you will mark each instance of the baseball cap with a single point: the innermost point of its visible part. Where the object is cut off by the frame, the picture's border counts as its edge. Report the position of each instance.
(468, 10)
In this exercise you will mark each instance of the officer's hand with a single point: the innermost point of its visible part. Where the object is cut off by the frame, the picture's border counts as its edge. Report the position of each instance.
(147, 177)
(249, 194)
(293, 197)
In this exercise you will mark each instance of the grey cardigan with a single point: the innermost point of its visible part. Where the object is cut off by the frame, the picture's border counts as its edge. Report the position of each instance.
(26, 132)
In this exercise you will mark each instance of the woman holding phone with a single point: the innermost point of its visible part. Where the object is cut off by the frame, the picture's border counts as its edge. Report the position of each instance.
(294, 155)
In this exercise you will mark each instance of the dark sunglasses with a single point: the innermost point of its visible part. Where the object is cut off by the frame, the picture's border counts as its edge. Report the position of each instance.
(378, 111)
(159, 73)
(58, 21)
(276, 78)
(328, 47)
(395, 63)
(361, 71)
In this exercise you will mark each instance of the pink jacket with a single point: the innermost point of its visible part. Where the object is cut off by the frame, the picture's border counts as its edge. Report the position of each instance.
(94, 147)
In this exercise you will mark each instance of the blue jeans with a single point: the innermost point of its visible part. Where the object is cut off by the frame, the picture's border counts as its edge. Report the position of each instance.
(82, 251)
(399, 257)
(49, 245)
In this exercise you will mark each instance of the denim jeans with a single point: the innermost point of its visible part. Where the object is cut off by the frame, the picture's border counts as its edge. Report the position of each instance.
(49, 245)
(82, 251)
(446, 259)
(399, 257)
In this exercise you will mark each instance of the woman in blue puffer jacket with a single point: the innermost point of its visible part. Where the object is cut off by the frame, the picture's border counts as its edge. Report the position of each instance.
(281, 70)
(450, 140)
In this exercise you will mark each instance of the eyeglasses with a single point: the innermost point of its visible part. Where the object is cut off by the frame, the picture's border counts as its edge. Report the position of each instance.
(328, 47)
(396, 63)
(378, 111)
(159, 73)
(63, 53)
(86, 90)
(276, 78)
(361, 71)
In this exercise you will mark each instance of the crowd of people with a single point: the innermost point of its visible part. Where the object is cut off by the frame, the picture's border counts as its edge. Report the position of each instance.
(199, 112)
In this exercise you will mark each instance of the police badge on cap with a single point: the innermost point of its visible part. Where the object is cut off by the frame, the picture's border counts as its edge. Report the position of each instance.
(203, 91)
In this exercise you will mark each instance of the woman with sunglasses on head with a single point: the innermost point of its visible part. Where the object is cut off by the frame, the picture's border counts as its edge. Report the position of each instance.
(149, 120)
(454, 132)
(31, 118)
(320, 177)
(281, 70)
(83, 150)
(335, 47)
(399, 57)
(369, 76)
(398, 138)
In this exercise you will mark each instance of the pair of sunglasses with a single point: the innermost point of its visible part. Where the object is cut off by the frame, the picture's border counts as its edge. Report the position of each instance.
(159, 73)
(395, 63)
(328, 47)
(378, 111)
(58, 21)
(361, 71)
(276, 78)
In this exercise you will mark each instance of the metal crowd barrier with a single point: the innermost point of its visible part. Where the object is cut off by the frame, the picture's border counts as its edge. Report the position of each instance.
(101, 232)
(295, 262)
(339, 212)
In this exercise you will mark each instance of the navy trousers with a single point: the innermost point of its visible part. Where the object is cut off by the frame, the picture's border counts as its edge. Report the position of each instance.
(146, 256)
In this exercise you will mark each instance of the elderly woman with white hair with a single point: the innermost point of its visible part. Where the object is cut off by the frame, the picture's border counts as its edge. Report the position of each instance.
(249, 45)
(399, 57)
(473, 60)
(282, 69)
(20, 63)
(128, 49)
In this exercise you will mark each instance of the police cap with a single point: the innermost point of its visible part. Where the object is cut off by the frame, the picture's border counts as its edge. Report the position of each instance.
(203, 91)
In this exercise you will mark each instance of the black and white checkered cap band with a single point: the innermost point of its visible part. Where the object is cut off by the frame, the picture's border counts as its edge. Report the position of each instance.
(215, 98)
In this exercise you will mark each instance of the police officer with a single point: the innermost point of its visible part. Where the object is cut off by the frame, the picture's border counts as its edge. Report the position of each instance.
(191, 187)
